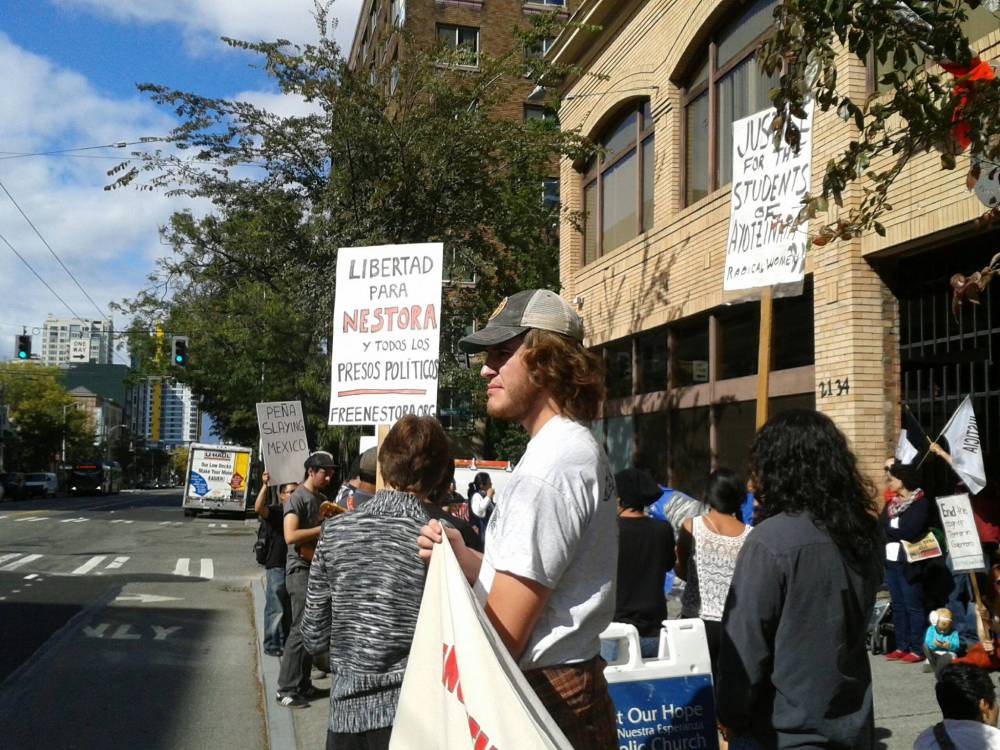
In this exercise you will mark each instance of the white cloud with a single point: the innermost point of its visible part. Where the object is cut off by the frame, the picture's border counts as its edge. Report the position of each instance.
(109, 240)
(203, 21)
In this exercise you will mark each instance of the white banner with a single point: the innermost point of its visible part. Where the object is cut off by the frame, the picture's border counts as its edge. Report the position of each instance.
(965, 447)
(386, 333)
(960, 530)
(462, 689)
(764, 247)
(283, 442)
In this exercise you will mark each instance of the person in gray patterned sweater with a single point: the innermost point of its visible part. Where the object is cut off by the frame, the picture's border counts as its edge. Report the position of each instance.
(366, 584)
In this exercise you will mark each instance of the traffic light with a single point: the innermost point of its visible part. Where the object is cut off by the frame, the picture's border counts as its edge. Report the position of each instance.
(24, 346)
(180, 350)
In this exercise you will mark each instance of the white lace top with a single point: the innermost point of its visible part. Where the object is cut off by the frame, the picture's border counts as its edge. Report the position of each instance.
(710, 569)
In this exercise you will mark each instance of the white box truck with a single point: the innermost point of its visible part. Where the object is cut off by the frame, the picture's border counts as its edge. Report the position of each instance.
(217, 478)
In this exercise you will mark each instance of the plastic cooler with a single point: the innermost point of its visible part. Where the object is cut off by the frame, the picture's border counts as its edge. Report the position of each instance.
(665, 703)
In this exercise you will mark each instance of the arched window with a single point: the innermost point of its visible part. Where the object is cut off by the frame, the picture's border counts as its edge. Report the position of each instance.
(618, 184)
(726, 86)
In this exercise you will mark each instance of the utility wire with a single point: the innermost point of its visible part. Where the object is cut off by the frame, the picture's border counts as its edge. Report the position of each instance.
(37, 276)
(119, 144)
(45, 242)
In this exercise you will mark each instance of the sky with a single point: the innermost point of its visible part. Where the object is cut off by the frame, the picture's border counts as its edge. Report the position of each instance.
(70, 74)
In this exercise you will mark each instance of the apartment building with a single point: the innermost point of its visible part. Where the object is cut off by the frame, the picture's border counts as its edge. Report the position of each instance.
(872, 328)
(76, 340)
(164, 413)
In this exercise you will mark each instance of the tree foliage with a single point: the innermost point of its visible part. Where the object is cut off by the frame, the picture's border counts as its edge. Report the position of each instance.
(42, 413)
(917, 113)
(411, 155)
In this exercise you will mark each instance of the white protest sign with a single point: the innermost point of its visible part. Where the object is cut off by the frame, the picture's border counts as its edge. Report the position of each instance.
(462, 689)
(283, 441)
(386, 333)
(960, 531)
(764, 247)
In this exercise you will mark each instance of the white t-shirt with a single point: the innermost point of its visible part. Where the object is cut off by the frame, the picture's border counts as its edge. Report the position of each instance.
(556, 526)
(480, 504)
(966, 735)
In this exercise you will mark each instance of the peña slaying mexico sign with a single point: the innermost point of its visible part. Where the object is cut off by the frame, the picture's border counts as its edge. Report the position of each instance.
(386, 333)
(764, 247)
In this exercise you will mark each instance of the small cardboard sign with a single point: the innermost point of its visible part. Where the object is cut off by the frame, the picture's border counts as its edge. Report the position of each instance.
(959, 525)
(283, 441)
(922, 549)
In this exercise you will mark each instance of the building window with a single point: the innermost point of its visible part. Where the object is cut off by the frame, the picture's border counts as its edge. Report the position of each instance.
(727, 86)
(398, 12)
(542, 114)
(550, 192)
(560, 3)
(617, 201)
(464, 38)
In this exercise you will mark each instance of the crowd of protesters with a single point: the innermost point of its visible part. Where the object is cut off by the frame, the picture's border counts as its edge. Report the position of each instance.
(569, 547)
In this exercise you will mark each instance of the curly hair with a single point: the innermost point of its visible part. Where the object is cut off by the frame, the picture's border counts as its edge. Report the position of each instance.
(800, 462)
(572, 374)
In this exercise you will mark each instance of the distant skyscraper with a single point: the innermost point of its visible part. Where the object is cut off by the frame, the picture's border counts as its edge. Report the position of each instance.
(73, 340)
(164, 412)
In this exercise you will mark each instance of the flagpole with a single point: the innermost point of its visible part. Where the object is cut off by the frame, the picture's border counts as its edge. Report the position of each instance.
(943, 431)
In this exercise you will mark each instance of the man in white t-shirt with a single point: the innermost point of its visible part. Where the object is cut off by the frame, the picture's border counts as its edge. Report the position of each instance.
(548, 573)
(969, 707)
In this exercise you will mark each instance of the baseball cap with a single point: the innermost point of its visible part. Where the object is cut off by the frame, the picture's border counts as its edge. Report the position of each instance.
(516, 314)
(366, 465)
(320, 460)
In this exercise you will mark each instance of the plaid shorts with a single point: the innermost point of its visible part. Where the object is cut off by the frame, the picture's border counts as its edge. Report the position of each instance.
(577, 698)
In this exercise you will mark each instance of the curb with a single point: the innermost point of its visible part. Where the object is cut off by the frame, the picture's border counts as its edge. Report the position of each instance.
(280, 727)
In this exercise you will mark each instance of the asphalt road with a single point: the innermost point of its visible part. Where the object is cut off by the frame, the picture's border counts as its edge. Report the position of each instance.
(125, 624)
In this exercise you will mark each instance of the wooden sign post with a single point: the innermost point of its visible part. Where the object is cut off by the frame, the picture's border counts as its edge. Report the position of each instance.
(764, 355)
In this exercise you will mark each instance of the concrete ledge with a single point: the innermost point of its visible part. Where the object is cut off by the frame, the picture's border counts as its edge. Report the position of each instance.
(280, 727)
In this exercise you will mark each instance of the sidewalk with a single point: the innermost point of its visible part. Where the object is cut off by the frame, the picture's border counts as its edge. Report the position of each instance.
(287, 728)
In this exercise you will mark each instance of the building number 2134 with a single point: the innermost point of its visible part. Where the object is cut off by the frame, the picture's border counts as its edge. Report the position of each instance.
(836, 387)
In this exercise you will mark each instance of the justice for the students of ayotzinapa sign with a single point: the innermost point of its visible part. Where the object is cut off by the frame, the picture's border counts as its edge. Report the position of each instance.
(386, 333)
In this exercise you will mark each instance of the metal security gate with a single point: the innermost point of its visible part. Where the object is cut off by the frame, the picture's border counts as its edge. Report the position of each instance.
(944, 358)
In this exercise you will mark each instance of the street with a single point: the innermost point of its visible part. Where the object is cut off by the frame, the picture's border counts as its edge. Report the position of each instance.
(124, 623)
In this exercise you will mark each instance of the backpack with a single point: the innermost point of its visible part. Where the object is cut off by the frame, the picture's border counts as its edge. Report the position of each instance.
(262, 545)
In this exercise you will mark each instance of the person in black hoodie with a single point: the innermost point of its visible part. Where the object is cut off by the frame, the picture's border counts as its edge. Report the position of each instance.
(645, 554)
(905, 517)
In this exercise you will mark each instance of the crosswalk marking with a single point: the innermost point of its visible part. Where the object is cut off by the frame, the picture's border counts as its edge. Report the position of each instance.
(75, 520)
(218, 525)
(170, 523)
(117, 563)
(23, 561)
(31, 576)
(122, 520)
(9, 556)
(183, 567)
(207, 568)
(31, 519)
(89, 565)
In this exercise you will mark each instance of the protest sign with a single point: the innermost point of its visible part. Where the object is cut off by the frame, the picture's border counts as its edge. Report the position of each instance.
(462, 689)
(960, 530)
(764, 247)
(283, 441)
(386, 333)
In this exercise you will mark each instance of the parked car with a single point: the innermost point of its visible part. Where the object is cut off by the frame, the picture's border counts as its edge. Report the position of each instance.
(41, 484)
(13, 485)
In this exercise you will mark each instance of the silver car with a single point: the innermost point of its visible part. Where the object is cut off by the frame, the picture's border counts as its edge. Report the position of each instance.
(41, 484)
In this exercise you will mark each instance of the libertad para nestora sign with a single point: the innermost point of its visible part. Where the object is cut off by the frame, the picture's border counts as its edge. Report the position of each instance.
(764, 246)
(386, 333)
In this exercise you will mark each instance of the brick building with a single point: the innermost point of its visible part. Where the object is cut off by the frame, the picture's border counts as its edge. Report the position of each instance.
(480, 26)
(872, 328)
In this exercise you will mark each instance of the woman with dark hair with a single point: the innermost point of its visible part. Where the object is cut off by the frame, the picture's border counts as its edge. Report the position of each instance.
(707, 548)
(905, 518)
(793, 667)
(481, 503)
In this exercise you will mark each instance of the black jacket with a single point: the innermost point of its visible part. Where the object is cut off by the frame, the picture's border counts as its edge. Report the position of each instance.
(914, 522)
(793, 668)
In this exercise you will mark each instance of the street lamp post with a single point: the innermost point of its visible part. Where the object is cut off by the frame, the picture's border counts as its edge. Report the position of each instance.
(107, 441)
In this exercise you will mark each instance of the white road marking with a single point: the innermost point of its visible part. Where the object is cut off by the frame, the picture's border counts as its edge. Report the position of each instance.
(3, 517)
(146, 598)
(122, 520)
(74, 520)
(31, 519)
(225, 525)
(31, 576)
(89, 565)
(10, 556)
(117, 563)
(23, 561)
(211, 526)
(207, 568)
(183, 567)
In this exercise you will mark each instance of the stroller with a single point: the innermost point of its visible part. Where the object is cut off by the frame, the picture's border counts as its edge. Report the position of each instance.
(881, 638)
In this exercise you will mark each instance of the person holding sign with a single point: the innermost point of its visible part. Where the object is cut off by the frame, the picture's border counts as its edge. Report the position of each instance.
(552, 543)
(905, 518)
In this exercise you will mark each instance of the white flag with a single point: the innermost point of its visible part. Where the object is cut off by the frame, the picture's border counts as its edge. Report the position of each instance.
(462, 689)
(905, 452)
(965, 447)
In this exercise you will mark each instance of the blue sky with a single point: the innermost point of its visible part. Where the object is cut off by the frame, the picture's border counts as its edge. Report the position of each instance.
(70, 69)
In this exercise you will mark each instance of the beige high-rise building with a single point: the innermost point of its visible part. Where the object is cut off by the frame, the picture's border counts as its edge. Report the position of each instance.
(74, 340)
